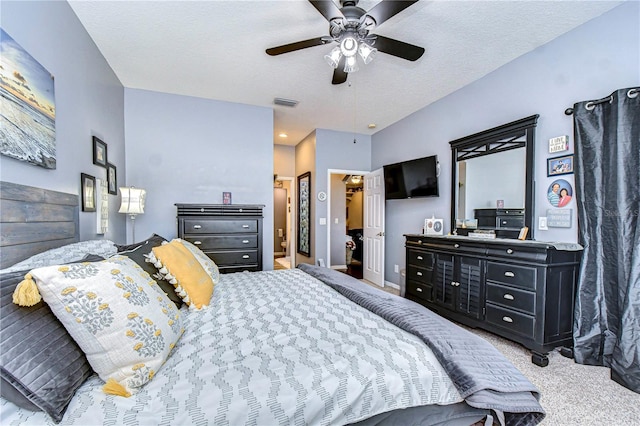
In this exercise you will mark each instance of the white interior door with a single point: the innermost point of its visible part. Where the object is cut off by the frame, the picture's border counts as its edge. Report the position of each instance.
(373, 247)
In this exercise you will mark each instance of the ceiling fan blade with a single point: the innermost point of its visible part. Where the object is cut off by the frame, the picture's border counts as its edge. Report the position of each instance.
(398, 48)
(291, 47)
(339, 76)
(328, 9)
(388, 8)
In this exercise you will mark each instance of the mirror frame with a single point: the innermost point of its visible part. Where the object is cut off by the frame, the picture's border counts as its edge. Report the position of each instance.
(517, 134)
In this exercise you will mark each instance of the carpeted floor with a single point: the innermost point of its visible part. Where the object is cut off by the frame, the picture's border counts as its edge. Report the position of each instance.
(572, 394)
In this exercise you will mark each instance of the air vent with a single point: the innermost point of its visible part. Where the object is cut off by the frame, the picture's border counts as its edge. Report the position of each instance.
(285, 102)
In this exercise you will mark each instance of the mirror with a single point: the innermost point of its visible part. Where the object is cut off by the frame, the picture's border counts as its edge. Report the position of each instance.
(492, 180)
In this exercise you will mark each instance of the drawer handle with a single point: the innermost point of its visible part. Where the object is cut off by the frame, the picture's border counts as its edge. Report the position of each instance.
(245, 241)
(419, 241)
(419, 274)
(504, 222)
(509, 251)
(455, 284)
(509, 274)
(245, 226)
(507, 319)
(508, 296)
(419, 257)
(197, 226)
(197, 243)
(456, 245)
(419, 290)
(246, 256)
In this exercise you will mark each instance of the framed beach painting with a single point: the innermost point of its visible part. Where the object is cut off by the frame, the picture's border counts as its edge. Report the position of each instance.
(304, 214)
(28, 108)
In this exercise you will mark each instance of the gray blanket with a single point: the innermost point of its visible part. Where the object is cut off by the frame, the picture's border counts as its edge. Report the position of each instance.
(483, 376)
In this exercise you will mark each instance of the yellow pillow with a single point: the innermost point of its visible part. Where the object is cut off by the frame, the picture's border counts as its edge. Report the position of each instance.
(181, 268)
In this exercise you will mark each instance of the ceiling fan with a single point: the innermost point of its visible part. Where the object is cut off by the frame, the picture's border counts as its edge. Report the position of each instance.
(350, 28)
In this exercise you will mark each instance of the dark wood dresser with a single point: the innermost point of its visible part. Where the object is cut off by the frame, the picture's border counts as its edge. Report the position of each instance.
(521, 290)
(230, 234)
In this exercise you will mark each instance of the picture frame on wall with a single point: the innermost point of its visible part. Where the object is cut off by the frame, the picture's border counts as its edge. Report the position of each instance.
(562, 165)
(304, 214)
(99, 152)
(88, 185)
(112, 179)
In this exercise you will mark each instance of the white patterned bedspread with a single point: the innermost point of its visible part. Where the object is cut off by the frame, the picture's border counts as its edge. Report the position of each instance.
(274, 347)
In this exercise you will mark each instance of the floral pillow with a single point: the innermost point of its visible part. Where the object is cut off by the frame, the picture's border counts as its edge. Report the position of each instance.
(120, 318)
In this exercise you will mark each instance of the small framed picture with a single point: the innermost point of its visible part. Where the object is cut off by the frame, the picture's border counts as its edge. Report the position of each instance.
(99, 152)
(560, 165)
(88, 185)
(226, 198)
(523, 233)
(112, 180)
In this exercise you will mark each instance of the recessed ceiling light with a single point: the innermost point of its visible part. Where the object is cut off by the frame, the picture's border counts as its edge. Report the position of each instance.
(283, 135)
(372, 125)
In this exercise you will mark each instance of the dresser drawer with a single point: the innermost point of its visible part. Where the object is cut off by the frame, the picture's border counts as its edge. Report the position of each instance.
(204, 226)
(420, 290)
(510, 320)
(512, 298)
(509, 221)
(224, 242)
(520, 252)
(420, 258)
(515, 275)
(419, 274)
(236, 257)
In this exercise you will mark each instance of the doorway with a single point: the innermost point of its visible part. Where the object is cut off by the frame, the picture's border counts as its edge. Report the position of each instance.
(346, 213)
(283, 222)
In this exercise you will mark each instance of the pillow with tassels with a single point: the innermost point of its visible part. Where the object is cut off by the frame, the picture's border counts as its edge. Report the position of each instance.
(123, 322)
(177, 264)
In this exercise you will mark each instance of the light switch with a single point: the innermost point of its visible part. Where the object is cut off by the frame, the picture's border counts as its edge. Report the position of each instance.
(323, 221)
(337, 221)
(542, 224)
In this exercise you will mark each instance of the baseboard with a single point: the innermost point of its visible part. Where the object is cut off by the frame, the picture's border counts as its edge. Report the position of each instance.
(338, 266)
(279, 253)
(392, 285)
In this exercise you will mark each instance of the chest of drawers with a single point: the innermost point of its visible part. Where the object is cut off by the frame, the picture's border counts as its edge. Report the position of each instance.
(521, 290)
(231, 235)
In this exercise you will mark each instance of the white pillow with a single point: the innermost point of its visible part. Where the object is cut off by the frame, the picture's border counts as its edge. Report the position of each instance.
(120, 318)
(66, 254)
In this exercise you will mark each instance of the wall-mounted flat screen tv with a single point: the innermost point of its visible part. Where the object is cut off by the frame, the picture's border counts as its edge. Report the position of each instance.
(411, 179)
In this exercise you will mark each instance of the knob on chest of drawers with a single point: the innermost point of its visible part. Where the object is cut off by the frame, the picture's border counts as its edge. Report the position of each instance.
(419, 274)
(197, 243)
(456, 245)
(245, 241)
(509, 274)
(245, 226)
(419, 290)
(508, 296)
(245, 256)
(419, 257)
(509, 251)
(507, 319)
(197, 226)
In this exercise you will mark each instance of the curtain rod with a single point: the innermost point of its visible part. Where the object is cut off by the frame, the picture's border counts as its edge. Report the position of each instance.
(632, 93)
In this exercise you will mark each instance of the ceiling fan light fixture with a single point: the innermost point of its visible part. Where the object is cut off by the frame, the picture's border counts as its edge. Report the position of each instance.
(351, 65)
(349, 46)
(367, 53)
(333, 58)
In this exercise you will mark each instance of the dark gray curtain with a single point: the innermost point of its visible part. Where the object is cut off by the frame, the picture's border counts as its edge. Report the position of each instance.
(607, 176)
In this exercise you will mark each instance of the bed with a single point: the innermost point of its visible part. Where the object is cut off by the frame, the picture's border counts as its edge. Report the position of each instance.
(301, 346)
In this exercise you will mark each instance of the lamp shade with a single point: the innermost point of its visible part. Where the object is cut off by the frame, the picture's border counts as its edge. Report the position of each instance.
(132, 200)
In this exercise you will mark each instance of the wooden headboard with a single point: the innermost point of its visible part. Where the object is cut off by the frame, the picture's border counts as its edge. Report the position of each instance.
(33, 220)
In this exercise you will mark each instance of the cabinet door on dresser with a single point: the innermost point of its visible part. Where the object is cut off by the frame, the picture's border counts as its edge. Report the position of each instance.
(444, 280)
(469, 284)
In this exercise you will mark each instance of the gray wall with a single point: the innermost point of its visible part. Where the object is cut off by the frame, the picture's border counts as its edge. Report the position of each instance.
(189, 150)
(587, 63)
(89, 102)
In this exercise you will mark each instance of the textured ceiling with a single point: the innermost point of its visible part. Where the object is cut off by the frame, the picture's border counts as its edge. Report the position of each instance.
(216, 50)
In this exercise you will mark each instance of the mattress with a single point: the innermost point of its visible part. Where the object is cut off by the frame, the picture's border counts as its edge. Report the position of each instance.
(274, 348)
